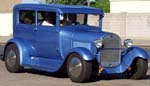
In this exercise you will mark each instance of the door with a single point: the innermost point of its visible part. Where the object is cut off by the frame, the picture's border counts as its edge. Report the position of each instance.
(47, 36)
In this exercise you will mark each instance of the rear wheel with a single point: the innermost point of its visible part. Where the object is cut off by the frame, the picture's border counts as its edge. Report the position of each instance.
(138, 69)
(78, 69)
(12, 59)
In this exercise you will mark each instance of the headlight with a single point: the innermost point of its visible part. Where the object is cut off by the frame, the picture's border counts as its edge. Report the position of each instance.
(98, 43)
(128, 43)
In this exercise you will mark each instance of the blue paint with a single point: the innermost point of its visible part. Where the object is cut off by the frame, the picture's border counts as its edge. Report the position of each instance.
(47, 48)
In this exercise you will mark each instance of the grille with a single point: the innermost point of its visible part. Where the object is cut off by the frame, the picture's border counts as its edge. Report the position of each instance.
(111, 51)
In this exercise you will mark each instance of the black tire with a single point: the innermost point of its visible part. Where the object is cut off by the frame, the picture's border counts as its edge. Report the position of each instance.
(86, 69)
(138, 69)
(12, 63)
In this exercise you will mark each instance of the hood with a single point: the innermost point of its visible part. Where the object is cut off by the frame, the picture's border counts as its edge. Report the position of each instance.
(82, 33)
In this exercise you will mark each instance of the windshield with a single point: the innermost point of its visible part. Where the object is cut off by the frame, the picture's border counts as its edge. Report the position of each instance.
(79, 19)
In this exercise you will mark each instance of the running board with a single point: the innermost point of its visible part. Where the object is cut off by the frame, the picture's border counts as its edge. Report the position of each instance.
(50, 65)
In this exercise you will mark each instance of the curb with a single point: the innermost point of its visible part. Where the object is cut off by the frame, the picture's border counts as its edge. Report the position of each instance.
(2, 44)
(4, 39)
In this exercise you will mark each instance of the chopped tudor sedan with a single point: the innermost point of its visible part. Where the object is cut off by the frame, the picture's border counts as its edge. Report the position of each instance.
(53, 37)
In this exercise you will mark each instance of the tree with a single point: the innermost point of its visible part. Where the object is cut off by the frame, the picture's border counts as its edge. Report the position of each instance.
(72, 2)
(102, 4)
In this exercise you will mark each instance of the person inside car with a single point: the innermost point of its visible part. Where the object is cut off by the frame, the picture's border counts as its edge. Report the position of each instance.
(49, 19)
(28, 19)
(72, 19)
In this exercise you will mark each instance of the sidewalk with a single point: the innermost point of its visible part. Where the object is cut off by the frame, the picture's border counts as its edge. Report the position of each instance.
(3, 39)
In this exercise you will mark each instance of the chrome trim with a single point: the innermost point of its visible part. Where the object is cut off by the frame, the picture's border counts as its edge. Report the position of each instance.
(128, 43)
(11, 58)
(98, 43)
(110, 53)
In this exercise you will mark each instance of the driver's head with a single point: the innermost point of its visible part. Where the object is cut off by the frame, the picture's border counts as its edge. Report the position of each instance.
(50, 17)
(72, 17)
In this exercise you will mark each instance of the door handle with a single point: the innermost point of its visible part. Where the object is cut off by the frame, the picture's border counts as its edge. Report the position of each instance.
(35, 29)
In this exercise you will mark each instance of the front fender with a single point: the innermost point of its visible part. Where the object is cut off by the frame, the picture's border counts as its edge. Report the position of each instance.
(127, 58)
(83, 52)
(23, 51)
(133, 53)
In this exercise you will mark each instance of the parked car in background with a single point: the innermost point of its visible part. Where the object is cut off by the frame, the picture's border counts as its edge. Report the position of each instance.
(51, 37)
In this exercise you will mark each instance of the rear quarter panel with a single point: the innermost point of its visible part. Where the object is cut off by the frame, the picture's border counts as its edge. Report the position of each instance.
(24, 48)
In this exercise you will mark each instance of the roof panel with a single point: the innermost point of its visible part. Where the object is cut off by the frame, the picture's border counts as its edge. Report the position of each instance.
(64, 8)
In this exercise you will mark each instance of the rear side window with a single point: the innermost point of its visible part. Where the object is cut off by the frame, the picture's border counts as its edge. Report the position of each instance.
(26, 17)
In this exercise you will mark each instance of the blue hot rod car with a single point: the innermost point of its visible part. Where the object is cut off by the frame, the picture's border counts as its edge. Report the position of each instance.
(51, 37)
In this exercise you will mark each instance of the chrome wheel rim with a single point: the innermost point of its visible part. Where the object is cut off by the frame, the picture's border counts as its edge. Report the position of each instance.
(11, 58)
(75, 67)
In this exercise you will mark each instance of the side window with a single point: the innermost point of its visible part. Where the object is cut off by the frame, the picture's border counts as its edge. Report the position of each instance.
(91, 17)
(26, 17)
(46, 18)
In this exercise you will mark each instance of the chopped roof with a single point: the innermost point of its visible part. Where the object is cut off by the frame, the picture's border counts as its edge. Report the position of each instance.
(63, 8)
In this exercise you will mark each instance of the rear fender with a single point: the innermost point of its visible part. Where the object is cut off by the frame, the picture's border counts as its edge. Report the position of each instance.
(23, 52)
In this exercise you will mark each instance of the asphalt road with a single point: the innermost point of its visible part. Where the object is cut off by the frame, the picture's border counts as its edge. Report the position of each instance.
(32, 77)
(38, 78)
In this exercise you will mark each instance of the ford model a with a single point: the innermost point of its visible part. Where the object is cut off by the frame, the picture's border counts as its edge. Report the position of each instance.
(52, 37)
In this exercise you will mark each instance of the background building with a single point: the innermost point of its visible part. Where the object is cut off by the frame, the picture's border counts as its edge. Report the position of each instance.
(129, 19)
(130, 6)
(6, 7)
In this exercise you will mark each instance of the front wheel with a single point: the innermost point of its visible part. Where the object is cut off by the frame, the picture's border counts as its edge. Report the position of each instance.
(78, 69)
(138, 69)
(12, 59)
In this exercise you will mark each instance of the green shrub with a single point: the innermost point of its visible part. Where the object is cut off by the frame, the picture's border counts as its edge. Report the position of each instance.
(102, 4)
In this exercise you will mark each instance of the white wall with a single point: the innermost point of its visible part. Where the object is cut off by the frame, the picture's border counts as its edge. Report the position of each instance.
(130, 6)
(6, 24)
(34, 1)
(135, 26)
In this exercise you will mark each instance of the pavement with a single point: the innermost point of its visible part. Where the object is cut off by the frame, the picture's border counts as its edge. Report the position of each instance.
(31, 77)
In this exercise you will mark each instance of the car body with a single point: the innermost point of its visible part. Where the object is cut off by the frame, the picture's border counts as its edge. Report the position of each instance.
(81, 48)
